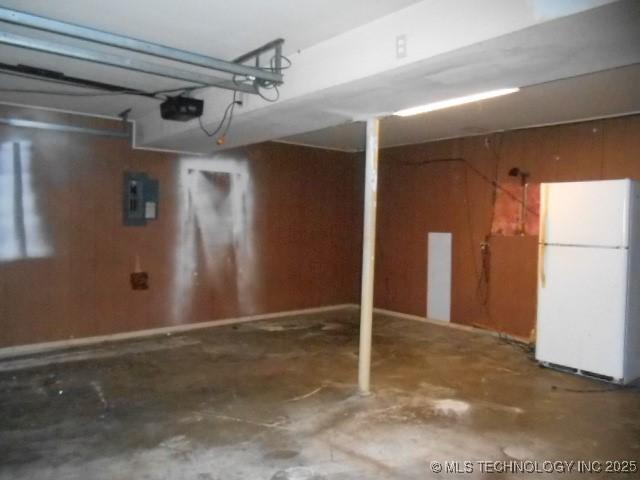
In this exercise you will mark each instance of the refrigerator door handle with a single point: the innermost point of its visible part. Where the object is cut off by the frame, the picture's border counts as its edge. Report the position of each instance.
(544, 192)
(541, 274)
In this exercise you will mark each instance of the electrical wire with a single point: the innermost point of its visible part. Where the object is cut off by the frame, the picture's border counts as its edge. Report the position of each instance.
(282, 67)
(613, 388)
(259, 86)
(482, 276)
(526, 348)
(233, 107)
(483, 285)
(467, 200)
(272, 85)
(494, 183)
(268, 99)
(494, 192)
(228, 112)
(225, 124)
(220, 125)
(266, 85)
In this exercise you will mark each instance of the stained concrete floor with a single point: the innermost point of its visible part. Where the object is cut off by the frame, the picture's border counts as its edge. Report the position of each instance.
(277, 400)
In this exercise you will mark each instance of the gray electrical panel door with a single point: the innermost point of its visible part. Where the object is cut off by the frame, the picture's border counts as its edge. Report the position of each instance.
(140, 199)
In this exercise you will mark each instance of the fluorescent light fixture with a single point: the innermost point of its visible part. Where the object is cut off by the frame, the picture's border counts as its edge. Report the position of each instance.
(452, 102)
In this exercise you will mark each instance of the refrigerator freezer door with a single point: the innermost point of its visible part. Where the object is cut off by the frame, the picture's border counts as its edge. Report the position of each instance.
(586, 213)
(582, 308)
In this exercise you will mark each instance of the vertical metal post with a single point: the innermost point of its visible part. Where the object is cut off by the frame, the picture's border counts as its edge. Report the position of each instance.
(368, 254)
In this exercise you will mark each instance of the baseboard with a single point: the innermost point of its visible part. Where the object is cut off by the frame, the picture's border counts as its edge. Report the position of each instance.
(418, 318)
(20, 350)
(441, 323)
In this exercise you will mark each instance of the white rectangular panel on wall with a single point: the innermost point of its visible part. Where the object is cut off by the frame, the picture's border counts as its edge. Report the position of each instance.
(439, 277)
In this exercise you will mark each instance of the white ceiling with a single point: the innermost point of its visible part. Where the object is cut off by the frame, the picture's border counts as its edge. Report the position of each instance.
(529, 54)
(220, 28)
(602, 94)
(345, 66)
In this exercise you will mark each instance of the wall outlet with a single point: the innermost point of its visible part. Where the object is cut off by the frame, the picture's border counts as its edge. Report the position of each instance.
(140, 281)
(401, 46)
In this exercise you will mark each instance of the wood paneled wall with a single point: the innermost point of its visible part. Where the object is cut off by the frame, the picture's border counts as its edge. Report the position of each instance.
(415, 199)
(263, 229)
(272, 227)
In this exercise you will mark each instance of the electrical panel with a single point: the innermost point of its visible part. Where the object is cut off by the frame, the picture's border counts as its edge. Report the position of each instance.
(140, 199)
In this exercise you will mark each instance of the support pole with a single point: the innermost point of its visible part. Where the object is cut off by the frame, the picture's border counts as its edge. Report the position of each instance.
(368, 255)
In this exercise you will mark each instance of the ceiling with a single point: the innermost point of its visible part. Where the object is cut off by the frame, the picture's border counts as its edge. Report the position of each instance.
(606, 93)
(573, 59)
(219, 28)
(336, 83)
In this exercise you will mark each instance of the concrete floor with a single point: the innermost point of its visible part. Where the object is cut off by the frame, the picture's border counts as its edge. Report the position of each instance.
(276, 400)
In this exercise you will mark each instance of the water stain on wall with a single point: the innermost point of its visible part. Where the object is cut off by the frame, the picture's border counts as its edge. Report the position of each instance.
(216, 252)
(258, 230)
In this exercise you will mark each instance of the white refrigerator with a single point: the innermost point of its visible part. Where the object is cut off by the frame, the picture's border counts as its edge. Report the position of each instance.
(588, 318)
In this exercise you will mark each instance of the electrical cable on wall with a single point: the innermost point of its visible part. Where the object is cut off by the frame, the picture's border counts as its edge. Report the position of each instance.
(494, 183)
(483, 286)
(224, 124)
(482, 276)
